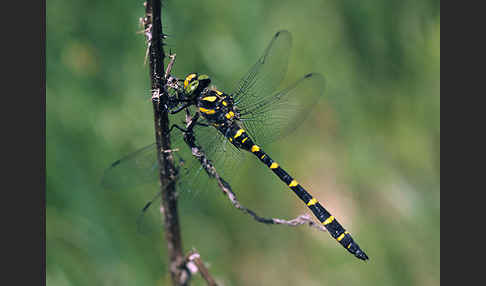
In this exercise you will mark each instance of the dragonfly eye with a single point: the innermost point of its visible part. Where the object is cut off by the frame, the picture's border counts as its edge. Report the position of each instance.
(191, 87)
(204, 81)
(189, 79)
(195, 84)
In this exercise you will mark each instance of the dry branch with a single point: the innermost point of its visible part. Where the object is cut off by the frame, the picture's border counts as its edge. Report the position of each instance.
(167, 172)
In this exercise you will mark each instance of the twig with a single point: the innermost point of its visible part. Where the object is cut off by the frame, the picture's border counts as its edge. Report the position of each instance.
(195, 263)
(169, 66)
(226, 188)
(167, 171)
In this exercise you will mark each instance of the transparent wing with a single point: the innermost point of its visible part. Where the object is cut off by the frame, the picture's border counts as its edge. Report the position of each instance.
(192, 178)
(272, 117)
(223, 155)
(267, 73)
(139, 167)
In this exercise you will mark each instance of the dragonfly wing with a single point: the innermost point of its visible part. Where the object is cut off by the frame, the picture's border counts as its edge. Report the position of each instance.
(134, 169)
(223, 155)
(267, 73)
(140, 167)
(273, 117)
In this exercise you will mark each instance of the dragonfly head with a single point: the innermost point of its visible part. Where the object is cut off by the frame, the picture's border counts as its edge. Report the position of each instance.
(194, 83)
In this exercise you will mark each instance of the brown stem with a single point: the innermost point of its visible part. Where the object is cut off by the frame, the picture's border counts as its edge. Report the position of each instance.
(167, 172)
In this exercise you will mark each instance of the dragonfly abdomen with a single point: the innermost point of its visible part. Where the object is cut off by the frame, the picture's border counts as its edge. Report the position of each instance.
(240, 139)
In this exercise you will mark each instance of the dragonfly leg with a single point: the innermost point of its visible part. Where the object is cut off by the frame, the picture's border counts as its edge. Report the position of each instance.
(202, 124)
(177, 127)
(173, 82)
(179, 109)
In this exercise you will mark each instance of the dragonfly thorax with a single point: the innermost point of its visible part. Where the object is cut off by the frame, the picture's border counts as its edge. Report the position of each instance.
(216, 107)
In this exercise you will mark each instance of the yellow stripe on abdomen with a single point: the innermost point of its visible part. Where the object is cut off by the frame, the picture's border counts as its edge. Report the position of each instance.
(328, 220)
(340, 237)
(312, 202)
(274, 165)
(238, 133)
(293, 183)
(230, 114)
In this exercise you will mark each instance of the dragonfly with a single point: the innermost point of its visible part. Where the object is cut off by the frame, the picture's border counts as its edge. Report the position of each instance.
(253, 114)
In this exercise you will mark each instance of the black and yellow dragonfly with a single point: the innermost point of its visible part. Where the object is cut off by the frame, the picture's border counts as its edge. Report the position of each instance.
(253, 114)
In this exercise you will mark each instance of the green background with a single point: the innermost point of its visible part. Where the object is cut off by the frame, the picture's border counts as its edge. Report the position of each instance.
(370, 151)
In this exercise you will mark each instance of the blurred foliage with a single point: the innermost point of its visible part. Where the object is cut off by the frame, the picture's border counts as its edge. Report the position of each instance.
(370, 151)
